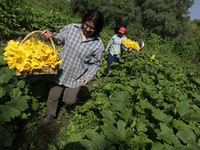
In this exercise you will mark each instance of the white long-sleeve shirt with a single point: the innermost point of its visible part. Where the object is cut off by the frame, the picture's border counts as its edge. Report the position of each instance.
(115, 44)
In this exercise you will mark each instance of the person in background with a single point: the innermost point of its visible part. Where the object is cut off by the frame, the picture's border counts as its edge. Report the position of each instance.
(115, 45)
(81, 59)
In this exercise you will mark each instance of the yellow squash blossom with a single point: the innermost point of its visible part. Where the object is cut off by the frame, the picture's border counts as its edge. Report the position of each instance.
(152, 57)
(31, 55)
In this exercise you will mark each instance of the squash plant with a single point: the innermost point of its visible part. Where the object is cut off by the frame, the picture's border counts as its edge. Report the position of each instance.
(141, 104)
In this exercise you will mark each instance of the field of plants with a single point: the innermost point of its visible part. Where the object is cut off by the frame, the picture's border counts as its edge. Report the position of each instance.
(144, 103)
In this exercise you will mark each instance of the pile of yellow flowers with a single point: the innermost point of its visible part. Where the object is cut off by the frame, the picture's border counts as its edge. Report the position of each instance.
(30, 55)
(131, 44)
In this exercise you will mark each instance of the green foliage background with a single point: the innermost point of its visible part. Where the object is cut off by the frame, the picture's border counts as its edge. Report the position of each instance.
(141, 104)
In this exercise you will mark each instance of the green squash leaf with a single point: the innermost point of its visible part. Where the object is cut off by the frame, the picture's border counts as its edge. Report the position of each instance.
(119, 134)
(167, 135)
(6, 74)
(108, 117)
(96, 142)
(8, 112)
(186, 135)
(183, 108)
(2, 61)
(18, 102)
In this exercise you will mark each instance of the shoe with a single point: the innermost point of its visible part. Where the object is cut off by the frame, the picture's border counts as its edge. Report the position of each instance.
(47, 120)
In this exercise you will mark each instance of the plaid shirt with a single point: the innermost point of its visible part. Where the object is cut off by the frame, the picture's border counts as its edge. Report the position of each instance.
(80, 59)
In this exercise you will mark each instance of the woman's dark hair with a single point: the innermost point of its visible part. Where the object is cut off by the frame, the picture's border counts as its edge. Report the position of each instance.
(97, 17)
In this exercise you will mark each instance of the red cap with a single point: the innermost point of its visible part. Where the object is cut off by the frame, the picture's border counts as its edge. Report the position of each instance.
(122, 30)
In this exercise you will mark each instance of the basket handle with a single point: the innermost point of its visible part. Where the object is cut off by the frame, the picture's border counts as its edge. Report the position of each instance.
(38, 31)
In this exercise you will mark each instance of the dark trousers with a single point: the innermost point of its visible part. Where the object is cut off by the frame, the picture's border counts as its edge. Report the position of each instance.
(109, 62)
(69, 97)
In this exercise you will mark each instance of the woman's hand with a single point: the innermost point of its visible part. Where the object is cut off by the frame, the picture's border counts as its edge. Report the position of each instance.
(85, 81)
(47, 34)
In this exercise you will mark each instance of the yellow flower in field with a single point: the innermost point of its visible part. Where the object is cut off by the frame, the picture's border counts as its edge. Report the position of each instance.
(153, 56)
(31, 55)
(51, 12)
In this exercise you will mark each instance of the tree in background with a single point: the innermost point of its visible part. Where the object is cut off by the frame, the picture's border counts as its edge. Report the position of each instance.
(117, 13)
(163, 17)
(82, 7)
(166, 17)
(194, 28)
(123, 14)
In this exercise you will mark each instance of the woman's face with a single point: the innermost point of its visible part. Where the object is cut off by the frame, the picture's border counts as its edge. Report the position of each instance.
(88, 28)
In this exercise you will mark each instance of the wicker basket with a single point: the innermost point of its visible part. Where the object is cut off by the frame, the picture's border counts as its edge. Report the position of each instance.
(46, 69)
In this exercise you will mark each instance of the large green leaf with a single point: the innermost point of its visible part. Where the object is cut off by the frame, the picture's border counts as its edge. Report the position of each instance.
(178, 124)
(194, 117)
(121, 97)
(6, 74)
(75, 137)
(168, 135)
(18, 102)
(141, 126)
(8, 112)
(123, 131)
(194, 146)
(156, 113)
(108, 117)
(21, 83)
(160, 115)
(2, 61)
(186, 135)
(160, 146)
(8, 87)
(119, 100)
(183, 108)
(168, 107)
(96, 142)
(141, 139)
(119, 134)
